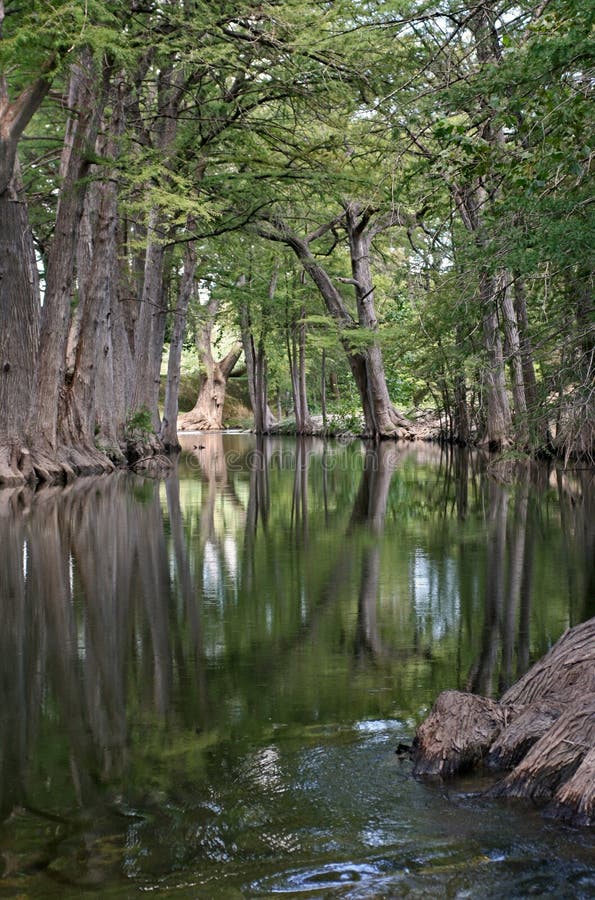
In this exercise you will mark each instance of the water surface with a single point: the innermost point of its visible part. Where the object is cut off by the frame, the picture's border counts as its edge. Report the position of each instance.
(203, 680)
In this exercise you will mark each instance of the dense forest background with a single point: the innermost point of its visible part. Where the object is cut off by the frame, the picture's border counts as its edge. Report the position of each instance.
(362, 204)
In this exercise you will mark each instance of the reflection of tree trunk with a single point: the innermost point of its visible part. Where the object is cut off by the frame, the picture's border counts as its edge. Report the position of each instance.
(369, 510)
(367, 639)
(186, 584)
(299, 502)
(516, 568)
(461, 467)
(524, 639)
(372, 497)
(156, 594)
(50, 591)
(482, 671)
(103, 541)
(258, 505)
(16, 652)
(577, 514)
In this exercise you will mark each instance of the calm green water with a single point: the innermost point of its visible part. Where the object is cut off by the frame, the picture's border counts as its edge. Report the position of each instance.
(203, 681)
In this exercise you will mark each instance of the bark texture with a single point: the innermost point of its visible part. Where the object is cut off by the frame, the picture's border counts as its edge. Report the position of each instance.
(457, 734)
(542, 729)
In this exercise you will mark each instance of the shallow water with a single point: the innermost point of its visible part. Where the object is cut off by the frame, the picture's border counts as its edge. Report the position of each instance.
(203, 681)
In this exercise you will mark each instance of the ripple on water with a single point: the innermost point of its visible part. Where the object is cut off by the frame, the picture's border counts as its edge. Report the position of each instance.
(306, 881)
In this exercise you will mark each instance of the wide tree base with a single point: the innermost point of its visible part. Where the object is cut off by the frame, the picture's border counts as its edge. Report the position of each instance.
(542, 730)
(44, 465)
(196, 420)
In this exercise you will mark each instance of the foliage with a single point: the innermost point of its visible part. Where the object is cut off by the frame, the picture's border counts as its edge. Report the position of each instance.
(138, 423)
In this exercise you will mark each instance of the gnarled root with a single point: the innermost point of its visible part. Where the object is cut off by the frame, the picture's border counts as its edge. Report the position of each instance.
(543, 729)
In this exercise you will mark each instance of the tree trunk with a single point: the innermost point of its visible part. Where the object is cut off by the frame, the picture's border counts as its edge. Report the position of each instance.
(575, 435)
(305, 424)
(19, 328)
(19, 294)
(150, 327)
(498, 419)
(296, 357)
(169, 423)
(256, 365)
(323, 389)
(515, 361)
(207, 413)
(78, 407)
(91, 424)
(387, 421)
(461, 425)
(85, 102)
(537, 421)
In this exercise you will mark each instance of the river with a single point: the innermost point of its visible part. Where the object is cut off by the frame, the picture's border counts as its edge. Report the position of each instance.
(204, 679)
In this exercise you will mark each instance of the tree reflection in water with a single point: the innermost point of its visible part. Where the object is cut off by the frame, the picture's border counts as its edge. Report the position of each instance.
(265, 581)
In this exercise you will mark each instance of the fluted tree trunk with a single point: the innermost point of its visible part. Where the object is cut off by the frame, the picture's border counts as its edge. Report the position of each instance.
(85, 103)
(91, 418)
(19, 295)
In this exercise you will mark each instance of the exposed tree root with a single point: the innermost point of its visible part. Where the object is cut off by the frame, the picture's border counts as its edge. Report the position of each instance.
(555, 757)
(393, 425)
(526, 728)
(44, 465)
(198, 421)
(457, 734)
(147, 454)
(575, 800)
(11, 473)
(543, 729)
